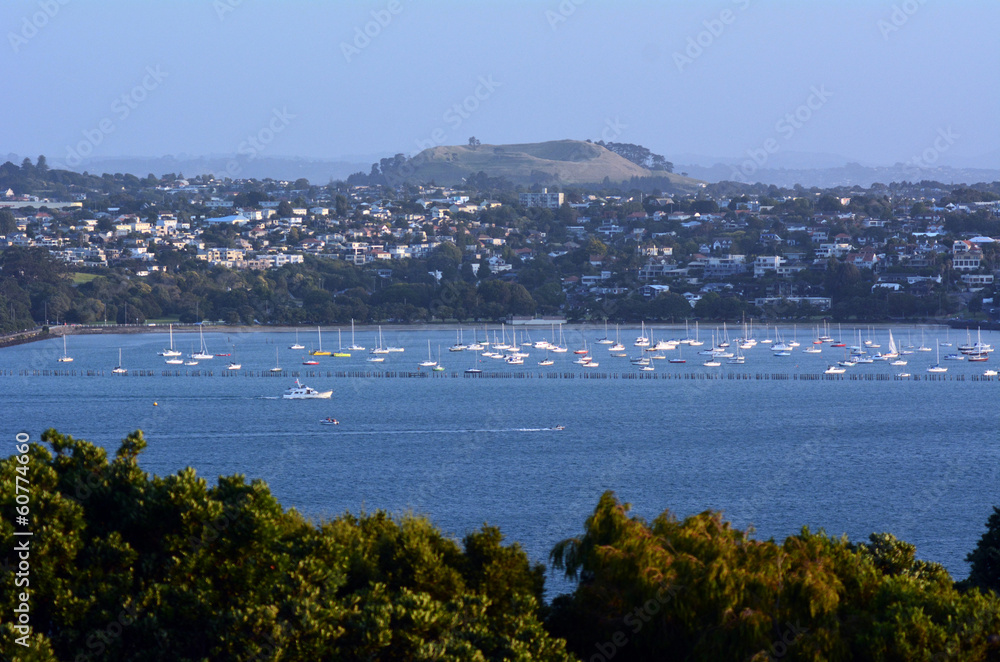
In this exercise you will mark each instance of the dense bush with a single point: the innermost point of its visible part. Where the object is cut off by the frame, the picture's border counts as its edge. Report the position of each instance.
(699, 589)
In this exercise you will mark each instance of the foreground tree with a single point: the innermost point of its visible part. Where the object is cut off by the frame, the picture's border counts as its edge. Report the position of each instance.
(702, 590)
(985, 558)
(125, 566)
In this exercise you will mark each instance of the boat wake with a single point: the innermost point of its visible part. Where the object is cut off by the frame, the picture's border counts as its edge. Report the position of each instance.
(321, 430)
(476, 431)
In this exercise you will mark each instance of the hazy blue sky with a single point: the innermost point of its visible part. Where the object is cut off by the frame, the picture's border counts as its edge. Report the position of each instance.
(885, 79)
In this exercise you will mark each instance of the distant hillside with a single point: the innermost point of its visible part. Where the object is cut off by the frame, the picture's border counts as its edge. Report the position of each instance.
(317, 171)
(849, 174)
(557, 162)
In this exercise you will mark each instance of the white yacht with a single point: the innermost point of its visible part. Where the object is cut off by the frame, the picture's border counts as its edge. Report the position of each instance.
(937, 367)
(605, 340)
(923, 347)
(203, 352)
(171, 351)
(459, 346)
(697, 341)
(296, 344)
(642, 340)
(303, 392)
(893, 350)
(561, 347)
(65, 358)
(430, 362)
(119, 370)
(234, 364)
(354, 347)
(379, 349)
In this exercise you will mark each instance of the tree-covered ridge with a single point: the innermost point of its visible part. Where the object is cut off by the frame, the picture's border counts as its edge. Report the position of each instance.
(127, 566)
(35, 287)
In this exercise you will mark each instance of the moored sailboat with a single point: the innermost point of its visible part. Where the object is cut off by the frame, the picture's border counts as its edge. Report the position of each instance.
(203, 352)
(354, 347)
(119, 370)
(65, 358)
(171, 351)
(937, 367)
(320, 352)
(430, 362)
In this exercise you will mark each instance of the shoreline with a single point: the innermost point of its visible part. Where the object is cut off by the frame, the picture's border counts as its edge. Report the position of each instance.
(40, 333)
(53, 331)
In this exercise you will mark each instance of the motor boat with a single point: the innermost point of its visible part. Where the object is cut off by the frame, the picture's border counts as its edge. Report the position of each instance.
(302, 392)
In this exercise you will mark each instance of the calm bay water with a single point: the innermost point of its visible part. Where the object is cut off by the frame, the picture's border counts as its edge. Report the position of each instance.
(918, 458)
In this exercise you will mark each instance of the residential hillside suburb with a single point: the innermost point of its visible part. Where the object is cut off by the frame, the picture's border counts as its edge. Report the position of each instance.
(117, 248)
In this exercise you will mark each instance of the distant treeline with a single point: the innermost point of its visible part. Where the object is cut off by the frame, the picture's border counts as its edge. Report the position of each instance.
(36, 288)
(127, 566)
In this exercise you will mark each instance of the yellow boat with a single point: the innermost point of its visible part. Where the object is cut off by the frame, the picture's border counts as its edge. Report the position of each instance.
(319, 352)
(340, 353)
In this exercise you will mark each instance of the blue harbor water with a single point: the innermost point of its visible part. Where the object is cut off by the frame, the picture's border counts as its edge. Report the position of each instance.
(915, 457)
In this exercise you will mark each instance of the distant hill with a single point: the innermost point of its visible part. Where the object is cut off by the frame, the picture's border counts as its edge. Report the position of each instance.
(848, 174)
(557, 162)
(317, 171)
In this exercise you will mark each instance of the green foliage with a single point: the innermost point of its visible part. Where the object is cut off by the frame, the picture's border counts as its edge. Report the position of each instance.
(985, 558)
(133, 567)
(702, 590)
(35, 286)
(8, 225)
